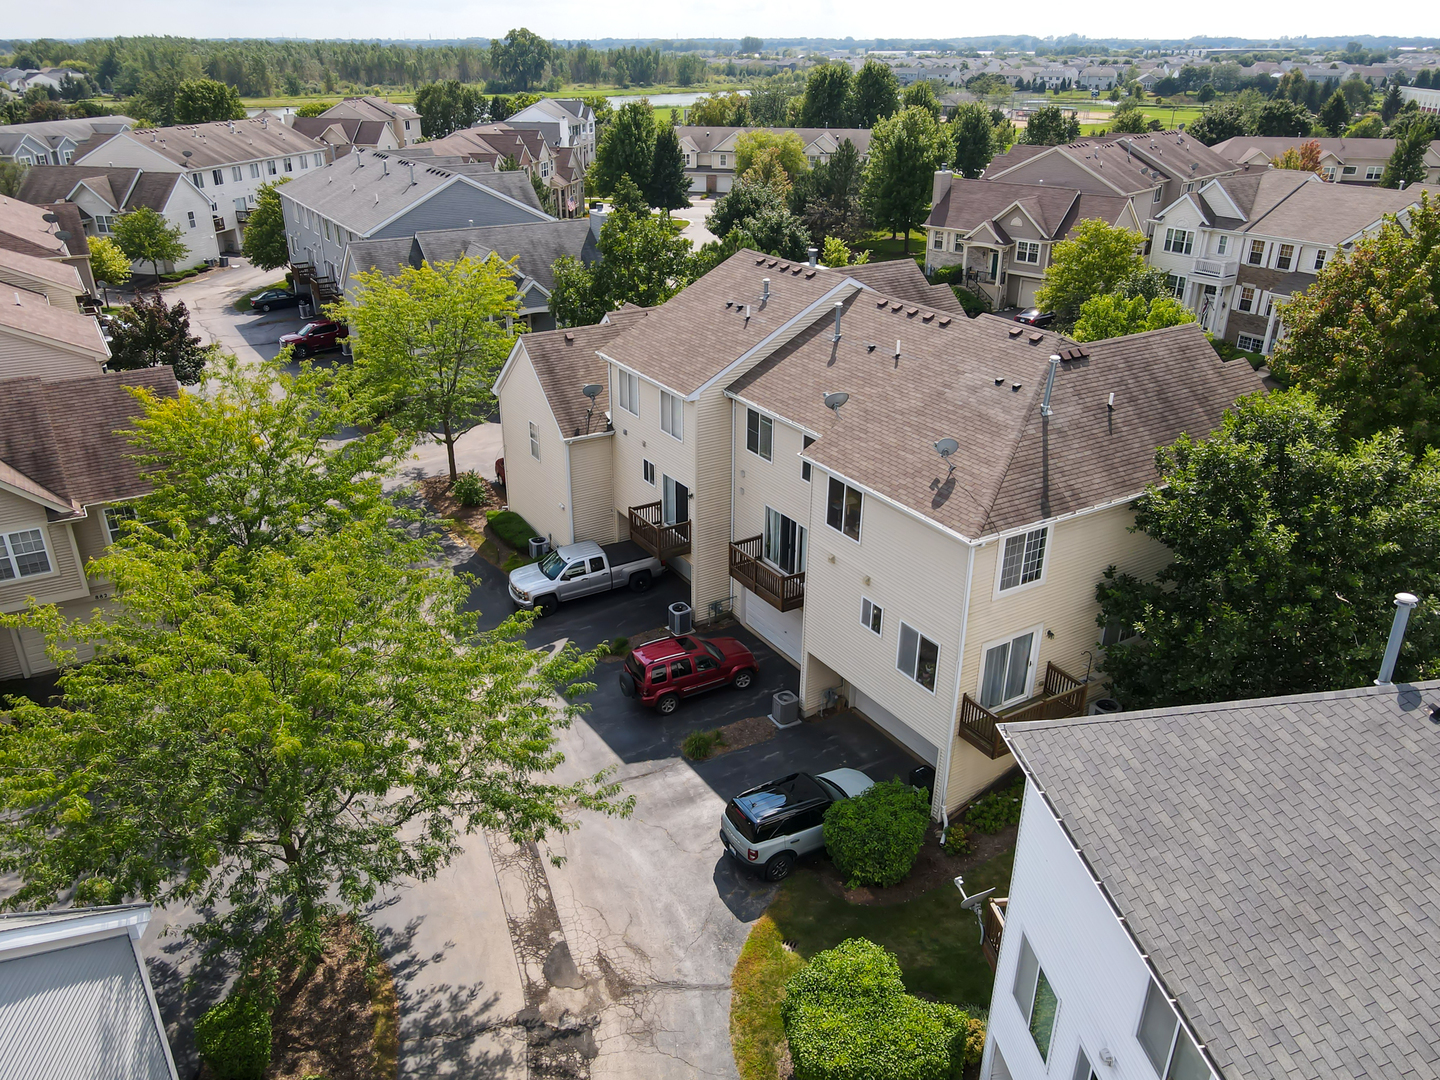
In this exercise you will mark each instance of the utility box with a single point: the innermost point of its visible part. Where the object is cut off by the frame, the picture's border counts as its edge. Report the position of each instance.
(923, 777)
(680, 619)
(539, 545)
(785, 709)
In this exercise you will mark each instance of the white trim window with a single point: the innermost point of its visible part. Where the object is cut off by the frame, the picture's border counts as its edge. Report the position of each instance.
(872, 616)
(938, 243)
(320, 158)
(1246, 302)
(1027, 251)
(918, 657)
(1285, 257)
(198, 179)
(254, 170)
(1175, 283)
(1349, 170)
(959, 247)
(1249, 343)
(1374, 172)
(102, 224)
(647, 470)
(115, 518)
(672, 415)
(1179, 241)
(1319, 260)
(24, 554)
(1023, 559)
(1170, 1050)
(784, 542)
(1159, 194)
(236, 173)
(270, 167)
(289, 165)
(1222, 245)
(190, 217)
(1005, 670)
(843, 508)
(218, 175)
(534, 441)
(1257, 253)
(1038, 1002)
(627, 391)
(759, 435)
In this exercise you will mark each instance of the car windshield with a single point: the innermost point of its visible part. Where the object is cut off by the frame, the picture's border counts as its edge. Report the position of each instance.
(309, 328)
(552, 565)
(712, 650)
(831, 788)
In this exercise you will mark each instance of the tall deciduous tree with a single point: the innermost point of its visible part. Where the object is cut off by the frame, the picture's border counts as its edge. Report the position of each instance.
(921, 95)
(905, 151)
(1113, 315)
(264, 243)
(626, 149)
(874, 94)
(519, 58)
(669, 186)
(144, 236)
(445, 107)
(1407, 160)
(1050, 126)
(150, 333)
(1335, 115)
(972, 137)
(643, 261)
(827, 97)
(1094, 259)
(430, 341)
(199, 101)
(108, 263)
(791, 151)
(1288, 542)
(1283, 118)
(1219, 123)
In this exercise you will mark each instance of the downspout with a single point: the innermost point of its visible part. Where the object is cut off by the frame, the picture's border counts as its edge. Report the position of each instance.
(943, 780)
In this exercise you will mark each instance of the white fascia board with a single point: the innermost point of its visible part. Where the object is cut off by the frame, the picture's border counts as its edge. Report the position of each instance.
(515, 351)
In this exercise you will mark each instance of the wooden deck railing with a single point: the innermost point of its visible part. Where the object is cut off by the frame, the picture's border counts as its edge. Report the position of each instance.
(994, 916)
(777, 588)
(1061, 695)
(648, 529)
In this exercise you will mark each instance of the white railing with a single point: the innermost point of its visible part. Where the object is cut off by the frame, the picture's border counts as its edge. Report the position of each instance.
(1215, 268)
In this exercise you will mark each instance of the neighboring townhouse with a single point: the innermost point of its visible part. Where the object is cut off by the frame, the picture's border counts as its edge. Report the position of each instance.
(374, 196)
(30, 230)
(53, 142)
(772, 436)
(1098, 78)
(51, 78)
(1002, 233)
(101, 194)
(44, 331)
(1346, 161)
(1220, 892)
(504, 147)
(65, 476)
(566, 123)
(57, 282)
(1426, 97)
(534, 247)
(404, 121)
(1237, 245)
(75, 998)
(227, 160)
(710, 151)
(343, 134)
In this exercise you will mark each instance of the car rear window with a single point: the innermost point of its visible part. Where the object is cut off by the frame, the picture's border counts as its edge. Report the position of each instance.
(743, 825)
(633, 667)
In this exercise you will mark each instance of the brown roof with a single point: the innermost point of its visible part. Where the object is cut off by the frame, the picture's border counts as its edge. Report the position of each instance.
(30, 313)
(221, 142)
(61, 435)
(23, 228)
(72, 222)
(904, 280)
(51, 271)
(1119, 159)
(1324, 213)
(565, 361)
(124, 189)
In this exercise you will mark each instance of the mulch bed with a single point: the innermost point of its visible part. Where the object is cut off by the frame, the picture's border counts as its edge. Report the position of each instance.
(743, 733)
(436, 490)
(932, 868)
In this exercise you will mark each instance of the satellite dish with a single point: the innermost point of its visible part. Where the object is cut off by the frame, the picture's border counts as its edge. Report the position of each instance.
(592, 391)
(974, 903)
(834, 401)
(51, 218)
(186, 153)
(63, 234)
(946, 447)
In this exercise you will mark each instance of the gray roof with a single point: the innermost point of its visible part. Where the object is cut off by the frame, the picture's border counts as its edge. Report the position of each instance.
(122, 188)
(1278, 862)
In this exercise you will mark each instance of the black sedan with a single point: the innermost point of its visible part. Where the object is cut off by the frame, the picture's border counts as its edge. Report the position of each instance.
(273, 298)
(1033, 316)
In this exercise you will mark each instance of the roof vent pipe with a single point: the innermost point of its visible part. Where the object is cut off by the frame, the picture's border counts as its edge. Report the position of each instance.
(1404, 604)
(1045, 409)
(839, 307)
(814, 254)
(764, 290)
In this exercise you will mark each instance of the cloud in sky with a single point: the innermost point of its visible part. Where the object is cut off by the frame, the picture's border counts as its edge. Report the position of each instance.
(571, 19)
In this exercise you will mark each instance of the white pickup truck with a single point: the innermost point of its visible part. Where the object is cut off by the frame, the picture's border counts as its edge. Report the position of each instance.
(581, 570)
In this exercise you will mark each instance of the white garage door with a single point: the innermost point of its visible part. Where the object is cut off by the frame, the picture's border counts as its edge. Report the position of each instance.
(780, 629)
(1027, 293)
(892, 724)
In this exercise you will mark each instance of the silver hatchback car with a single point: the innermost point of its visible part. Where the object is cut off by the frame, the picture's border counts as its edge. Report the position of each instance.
(768, 827)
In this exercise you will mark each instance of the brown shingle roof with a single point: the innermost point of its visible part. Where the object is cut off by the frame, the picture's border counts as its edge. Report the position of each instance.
(904, 280)
(564, 361)
(30, 313)
(221, 142)
(125, 189)
(23, 228)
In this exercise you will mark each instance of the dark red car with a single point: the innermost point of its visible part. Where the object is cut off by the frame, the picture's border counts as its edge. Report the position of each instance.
(314, 337)
(660, 673)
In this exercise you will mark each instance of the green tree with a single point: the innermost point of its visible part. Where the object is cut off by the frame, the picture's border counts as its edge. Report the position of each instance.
(430, 342)
(1050, 126)
(750, 45)
(519, 59)
(1281, 117)
(827, 198)
(905, 151)
(575, 299)
(108, 263)
(669, 186)
(769, 101)
(827, 97)
(1221, 122)
(1367, 127)
(921, 95)
(1206, 94)
(643, 261)
(150, 333)
(719, 110)
(1094, 259)
(199, 101)
(318, 108)
(1365, 338)
(626, 149)
(1129, 118)
(836, 253)
(12, 176)
(1407, 161)
(1335, 115)
(144, 236)
(445, 107)
(264, 242)
(1113, 315)
(972, 138)
(1392, 103)
(1287, 543)
(791, 151)
(874, 94)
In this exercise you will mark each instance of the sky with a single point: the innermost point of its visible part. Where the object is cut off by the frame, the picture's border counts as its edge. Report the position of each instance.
(573, 19)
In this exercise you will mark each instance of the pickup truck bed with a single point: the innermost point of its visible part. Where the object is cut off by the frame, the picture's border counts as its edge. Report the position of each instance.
(626, 551)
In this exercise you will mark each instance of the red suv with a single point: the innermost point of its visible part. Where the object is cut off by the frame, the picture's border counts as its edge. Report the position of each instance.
(315, 337)
(660, 673)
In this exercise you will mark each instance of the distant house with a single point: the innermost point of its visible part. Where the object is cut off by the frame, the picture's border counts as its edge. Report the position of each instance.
(75, 1000)
(1426, 97)
(710, 151)
(53, 142)
(503, 146)
(1098, 78)
(343, 134)
(403, 120)
(566, 123)
(1343, 160)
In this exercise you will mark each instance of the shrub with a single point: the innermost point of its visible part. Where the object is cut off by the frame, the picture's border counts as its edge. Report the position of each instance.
(511, 528)
(957, 840)
(470, 489)
(973, 303)
(993, 812)
(757, 989)
(699, 745)
(234, 1038)
(847, 1017)
(875, 837)
(944, 275)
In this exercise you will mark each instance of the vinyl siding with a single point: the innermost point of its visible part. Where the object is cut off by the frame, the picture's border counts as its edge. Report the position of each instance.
(710, 556)
(57, 295)
(65, 580)
(776, 483)
(537, 490)
(10, 655)
(592, 489)
(455, 207)
(639, 439)
(20, 356)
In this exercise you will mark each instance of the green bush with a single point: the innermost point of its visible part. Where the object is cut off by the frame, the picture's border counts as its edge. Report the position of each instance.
(511, 528)
(944, 275)
(993, 812)
(470, 489)
(957, 840)
(973, 303)
(847, 1017)
(699, 745)
(234, 1038)
(875, 837)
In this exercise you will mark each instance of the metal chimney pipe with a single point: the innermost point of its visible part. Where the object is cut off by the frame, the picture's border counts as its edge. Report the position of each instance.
(814, 255)
(839, 307)
(764, 289)
(1404, 604)
(1045, 409)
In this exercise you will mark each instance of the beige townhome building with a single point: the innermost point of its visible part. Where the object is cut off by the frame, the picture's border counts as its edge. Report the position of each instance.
(710, 151)
(914, 507)
(1345, 161)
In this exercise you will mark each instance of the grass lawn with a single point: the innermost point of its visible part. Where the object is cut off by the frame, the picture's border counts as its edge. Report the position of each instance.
(937, 942)
(242, 303)
(756, 984)
(883, 246)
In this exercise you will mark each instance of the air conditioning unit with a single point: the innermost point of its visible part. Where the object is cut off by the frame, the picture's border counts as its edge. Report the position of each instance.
(785, 709)
(680, 619)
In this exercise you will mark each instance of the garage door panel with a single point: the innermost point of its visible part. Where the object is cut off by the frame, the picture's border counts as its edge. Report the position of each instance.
(887, 721)
(781, 629)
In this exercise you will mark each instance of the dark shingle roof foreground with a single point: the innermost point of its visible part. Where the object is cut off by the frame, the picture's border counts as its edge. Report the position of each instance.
(1279, 863)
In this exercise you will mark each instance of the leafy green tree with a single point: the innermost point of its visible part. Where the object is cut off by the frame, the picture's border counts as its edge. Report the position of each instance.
(519, 59)
(669, 186)
(318, 108)
(921, 95)
(1392, 103)
(576, 299)
(1357, 93)
(1282, 118)
(1206, 94)
(643, 261)
(972, 138)
(1407, 161)
(719, 110)
(827, 97)
(1094, 259)
(108, 263)
(791, 151)
(264, 242)
(759, 209)
(430, 341)
(144, 236)
(626, 149)
(1287, 543)
(905, 151)
(1335, 114)
(199, 101)
(1367, 127)
(12, 176)
(1129, 118)
(827, 198)
(1221, 122)
(750, 45)
(1050, 126)
(445, 107)
(836, 253)
(1365, 338)
(1112, 315)
(149, 333)
(769, 101)
(874, 94)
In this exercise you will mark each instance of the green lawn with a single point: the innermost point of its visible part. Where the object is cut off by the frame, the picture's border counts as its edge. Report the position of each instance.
(936, 941)
(883, 246)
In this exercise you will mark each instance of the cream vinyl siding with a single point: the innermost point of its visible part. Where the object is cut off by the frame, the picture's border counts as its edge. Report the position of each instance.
(638, 439)
(539, 491)
(592, 495)
(23, 356)
(775, 483)
(710, 509)
(10, 667)
(57, 295)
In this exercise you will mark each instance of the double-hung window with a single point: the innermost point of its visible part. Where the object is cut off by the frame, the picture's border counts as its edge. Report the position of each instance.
(102, 224)
(918, 656)
(1247, 298)
(872, 615)
(1175, 284)
(1320, 259)
(235, 173)
(842, 508)
(1179, 241)
(1159, 194)
(115, 518)
(1023, 559)
(270, 167)
(672, 415)
(254, 170)
(23, 554)
(959, 247)
(1222, 245)
(805, 465)
(938, 243)
(759, 435)
(534, 441)
(319, 160)
(1257, 253)
(190, 218)
(1027, 251)
(218, 175)
(1285, 257)
(1170, 1050)
(1374, 172)
(627, 391)
(198, 179)
(289, 165)
(1036, 997)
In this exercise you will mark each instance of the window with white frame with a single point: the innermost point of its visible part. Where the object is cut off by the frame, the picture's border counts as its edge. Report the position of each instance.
(319, 160)
(1247, 298)
(1175, 284)
(115, 517)
(722, 161)
(198, 179)
(1257, 253)
(289, 165)
(23, 554)
(784, 542)
(304, 161)
(1285, 257)
(1374, 172)
(647, 470)
(1170, 1049)
(872, 615)
(843, 505)
(1005, 671)
(534, 441)
(627, 391)
(270, 167)
(959, 247)
(1116, 633)
(190, 217)
(1023, 559)
(1188, 187)
(1027, 251)
(236, 173)
(672, 415)
(938, 243)
(918, 656)
(1179, 241)
(759, 435)
(102, 224)
(1320, 259)
(254, 170)
(1038, 1002)
(218, 175)
(1222, 245)
(1249, 343)
(1349, 170)
(1159, 194)
(1083, 1071)
(1328, 172)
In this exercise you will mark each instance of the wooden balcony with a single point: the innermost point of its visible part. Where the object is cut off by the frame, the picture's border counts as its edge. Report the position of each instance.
(993, 914)
(648, 529)
(777, 588)
(1061, 695)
